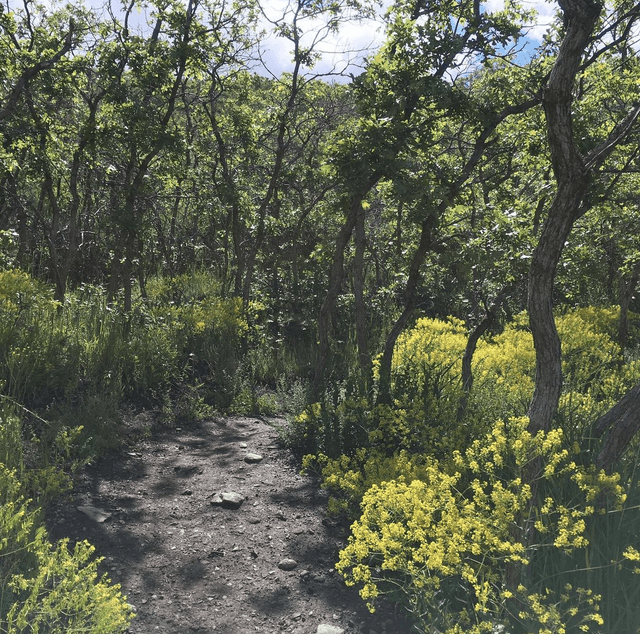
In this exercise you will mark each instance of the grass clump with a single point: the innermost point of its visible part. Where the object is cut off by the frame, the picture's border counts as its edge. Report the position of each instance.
(46, 587)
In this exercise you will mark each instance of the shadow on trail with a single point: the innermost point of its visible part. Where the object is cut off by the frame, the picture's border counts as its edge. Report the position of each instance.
(188, 566)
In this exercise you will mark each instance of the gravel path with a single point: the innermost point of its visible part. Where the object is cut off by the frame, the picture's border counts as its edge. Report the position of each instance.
(191, 560)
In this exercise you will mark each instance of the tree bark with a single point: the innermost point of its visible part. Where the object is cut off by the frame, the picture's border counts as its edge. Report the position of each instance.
(336, 276)
(470, 349)
(621, 422)
(358, 289)
(572, 178)
(425, 244)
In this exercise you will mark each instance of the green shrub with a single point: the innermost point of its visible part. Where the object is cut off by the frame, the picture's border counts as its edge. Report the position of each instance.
(29, 347)
(459, 543)
(87, 347)
(337, 426)
(45, 587)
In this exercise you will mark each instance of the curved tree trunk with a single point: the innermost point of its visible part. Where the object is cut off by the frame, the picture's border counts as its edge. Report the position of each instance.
(548, 385)
(336, 275)
(425, 244)
(572, 178)
(470, 349)
(621, 422)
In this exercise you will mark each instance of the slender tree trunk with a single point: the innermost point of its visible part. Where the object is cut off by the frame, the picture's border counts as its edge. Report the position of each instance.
(470, 349)
(114, 274)
(622, 422)
(358, 289)
(425, 244)
(274, 180)
(327, 311)
(127, 271)
(548, 385)
(572, 178)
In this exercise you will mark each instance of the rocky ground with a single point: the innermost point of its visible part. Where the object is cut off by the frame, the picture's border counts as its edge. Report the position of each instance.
(210, 528)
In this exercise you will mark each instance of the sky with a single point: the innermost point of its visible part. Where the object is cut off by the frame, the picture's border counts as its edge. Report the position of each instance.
(365, 37)
(344, 51)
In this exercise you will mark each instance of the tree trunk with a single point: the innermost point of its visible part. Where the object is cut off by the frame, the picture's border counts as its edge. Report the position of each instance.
(472, 344)
(572, 178)
(425, 244)
(336, 275)
(622, 422)
(358, 289)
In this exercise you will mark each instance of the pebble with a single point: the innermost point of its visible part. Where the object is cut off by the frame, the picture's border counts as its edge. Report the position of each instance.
(323, 628)
(288, 564)
(96, 514)
(253, 458)
(228, 499)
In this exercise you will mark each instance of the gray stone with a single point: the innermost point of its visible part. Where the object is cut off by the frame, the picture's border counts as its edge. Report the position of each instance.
(228, 500)
(253, 458)
(323, 628)
(288, 564)
(96, 514)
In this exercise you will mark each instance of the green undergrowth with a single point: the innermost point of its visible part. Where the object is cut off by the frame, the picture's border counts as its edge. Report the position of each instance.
(44, 586)
(461, 514)
(182, 350)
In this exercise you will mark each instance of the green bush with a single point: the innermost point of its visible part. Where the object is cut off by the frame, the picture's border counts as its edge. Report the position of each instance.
(464, 545)
(46, 587)
(88, 347)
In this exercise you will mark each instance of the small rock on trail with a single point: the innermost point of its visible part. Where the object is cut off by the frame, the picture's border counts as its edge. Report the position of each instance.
(288, 564)
(323, 628)
(228, 500)
(96, 514)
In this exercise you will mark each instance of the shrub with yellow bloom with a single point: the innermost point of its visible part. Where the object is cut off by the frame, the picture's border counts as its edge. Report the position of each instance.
(458, 541)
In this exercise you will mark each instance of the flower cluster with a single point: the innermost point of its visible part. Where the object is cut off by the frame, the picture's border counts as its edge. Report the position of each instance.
(453, 539)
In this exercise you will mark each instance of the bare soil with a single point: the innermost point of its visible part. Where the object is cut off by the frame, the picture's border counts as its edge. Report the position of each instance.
(188, 565)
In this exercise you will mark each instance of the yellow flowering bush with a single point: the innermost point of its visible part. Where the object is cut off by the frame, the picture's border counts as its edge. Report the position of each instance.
(349, 478)
(427, 363)
(426, 415)
(458, 541)
(46, 587)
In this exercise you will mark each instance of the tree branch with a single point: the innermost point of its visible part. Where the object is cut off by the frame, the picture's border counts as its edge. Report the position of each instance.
(32, 71)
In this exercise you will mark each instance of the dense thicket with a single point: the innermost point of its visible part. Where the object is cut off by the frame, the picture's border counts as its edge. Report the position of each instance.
(432, 266)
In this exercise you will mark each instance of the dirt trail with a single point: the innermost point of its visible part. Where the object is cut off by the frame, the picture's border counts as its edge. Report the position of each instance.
(188, 565)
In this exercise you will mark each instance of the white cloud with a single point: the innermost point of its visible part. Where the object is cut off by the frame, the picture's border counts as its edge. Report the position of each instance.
(546, 12)
(355, 40)
(343, 51)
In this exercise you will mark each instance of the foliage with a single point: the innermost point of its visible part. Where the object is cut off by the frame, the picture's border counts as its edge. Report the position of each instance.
(427, 388)
(448, 537)
(46, 587)
(87, 345)
(178, 231)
